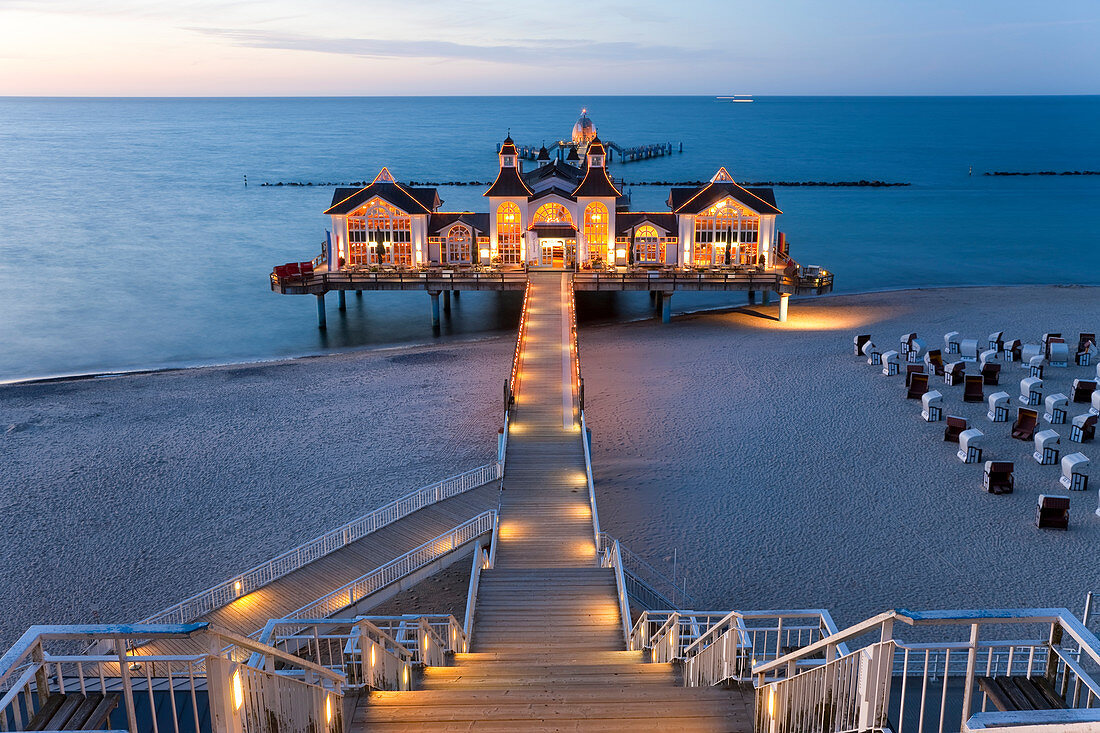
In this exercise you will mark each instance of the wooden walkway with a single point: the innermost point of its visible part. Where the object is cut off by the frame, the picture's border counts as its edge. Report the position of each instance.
(251, 612)
(548, 652)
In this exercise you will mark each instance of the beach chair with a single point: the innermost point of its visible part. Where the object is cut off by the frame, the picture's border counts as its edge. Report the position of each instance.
(1075, 472)
(1046, 447)
(1086, 349)
(934, 362)
(953, 373)
(951, 342)
(970, 446)
(1035, 366)
(1024, 426)
(1083, 428)
(998, 407)
(998, 477)
(917, 386)
(910, 370)
(1082, 390)
(1027, 351)
(891, 364)
(932, 406)
(997, 341)
(1013, 350)
(1094, 408)
(968, 350)
(1052, 512)
(972, 389)
(906, 345)
(1057, 405)
(991, 373)
(1084, 339)
(987, 356)
(955, 427)
(874, 356)
(859, 341)
(1045, 342)
(1058, 353)
(916, 352)
(1031, 391)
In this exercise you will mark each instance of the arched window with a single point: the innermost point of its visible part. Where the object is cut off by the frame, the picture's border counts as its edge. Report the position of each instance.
(378, 222)
(509, 233)
(596, 221)
(458, 243)
(552, 214)
(726, 232)
(646, 245)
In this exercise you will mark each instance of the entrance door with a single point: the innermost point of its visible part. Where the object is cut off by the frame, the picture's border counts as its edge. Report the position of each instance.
(553, 252)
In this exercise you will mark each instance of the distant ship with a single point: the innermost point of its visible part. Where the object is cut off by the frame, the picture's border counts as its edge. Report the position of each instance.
(736, 98)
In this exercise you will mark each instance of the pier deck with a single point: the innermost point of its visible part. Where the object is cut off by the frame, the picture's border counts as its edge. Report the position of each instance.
(548, 651)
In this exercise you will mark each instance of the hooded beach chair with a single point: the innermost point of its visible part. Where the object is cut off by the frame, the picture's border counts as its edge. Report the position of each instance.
(968, 350)
(951, 342)
(1083, 428)
(859, 341)
(910, 370)
(998, 477)
(998, 407)
(955, 426)
(1027, 351)
(991, 373)
(934, 362)
(1035, 366)
(1045, 342)
(972, 389)
(1057, 405)
(1052, 512)
(1047, 444)
(891, 364)
(1058, 353)
(932, 406)
(953, 373)
(1082, 390)
(1013, 350)
(917, 386)
(1031, 391)
(1075, 472)
(997, 341)
(1024, 426)
(971, 443)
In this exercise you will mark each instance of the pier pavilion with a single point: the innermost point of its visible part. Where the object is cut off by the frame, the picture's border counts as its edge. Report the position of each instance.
(555, 215)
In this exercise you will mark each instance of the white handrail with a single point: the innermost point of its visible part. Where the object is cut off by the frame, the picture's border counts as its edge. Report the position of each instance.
(250, 580)
(591, 483)
(358, 589)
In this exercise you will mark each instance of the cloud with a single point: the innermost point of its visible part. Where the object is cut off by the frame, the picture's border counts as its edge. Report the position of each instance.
(540, 51)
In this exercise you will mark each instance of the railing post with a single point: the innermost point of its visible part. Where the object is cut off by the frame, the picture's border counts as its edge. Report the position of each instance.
(224, 717)
(127, 688)
(971, 662)
(1052, 657)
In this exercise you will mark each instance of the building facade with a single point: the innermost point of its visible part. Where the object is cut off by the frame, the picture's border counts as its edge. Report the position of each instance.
(556, 214)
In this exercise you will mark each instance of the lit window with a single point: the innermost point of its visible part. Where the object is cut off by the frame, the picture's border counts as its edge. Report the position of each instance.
(458, 243)
(647, 245)
(509, 234)
(596, 221)
(379, 223)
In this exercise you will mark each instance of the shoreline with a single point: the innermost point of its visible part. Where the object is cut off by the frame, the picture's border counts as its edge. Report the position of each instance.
(261, 361)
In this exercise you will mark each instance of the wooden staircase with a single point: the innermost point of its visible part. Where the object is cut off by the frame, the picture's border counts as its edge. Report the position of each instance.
(548, 651)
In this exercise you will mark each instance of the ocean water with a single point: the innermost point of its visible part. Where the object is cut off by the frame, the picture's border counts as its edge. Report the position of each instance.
(128, 240)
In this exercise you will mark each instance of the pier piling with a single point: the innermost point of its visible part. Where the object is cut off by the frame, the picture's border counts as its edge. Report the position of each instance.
(783, 298)
(342, 300)
(666, 307)
(767, 297)
(435, 307)
(752, 297)
(321, 311)
(446, 301)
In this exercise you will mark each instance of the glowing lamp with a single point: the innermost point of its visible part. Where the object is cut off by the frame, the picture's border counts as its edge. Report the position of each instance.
(328, 708)
(484, 254)
(619, 253)
(237, 587)
(238, 691)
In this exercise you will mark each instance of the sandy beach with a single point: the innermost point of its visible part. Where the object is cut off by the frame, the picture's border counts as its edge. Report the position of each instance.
(784, 471)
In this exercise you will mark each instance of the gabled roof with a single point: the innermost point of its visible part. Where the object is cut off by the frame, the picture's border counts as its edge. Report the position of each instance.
(440, 220)
(596, 183)
(556, 169)
(695, 200)
(572, 154)
(627, 220)
(553, 191)
(509, 182)
(544, 155)
(409, 200)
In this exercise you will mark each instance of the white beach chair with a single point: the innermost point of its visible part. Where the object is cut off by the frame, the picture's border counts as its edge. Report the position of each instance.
(1027, 351)
(970, 446)
(1012, 350)
(1035, 366)
(905, 344)
(1095, 409)
(951, 342)
(954, 373)
(997, 341)
(859, 342)
(932, 406)
(1083, 427)
(1046, 447)
(1057, 407)
(874, 356)
(1075, 472)
(968, 350)
(917, 350)
(998, 407)
(1031, 391)
(1045, 341)
(987, 356)
(1059, 354)
(891, 363)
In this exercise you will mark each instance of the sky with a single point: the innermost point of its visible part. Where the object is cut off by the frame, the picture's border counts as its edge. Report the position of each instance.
(493, 47)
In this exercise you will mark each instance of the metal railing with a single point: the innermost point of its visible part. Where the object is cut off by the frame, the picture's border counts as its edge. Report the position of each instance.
(721, 646)
(148, 691)
(250, 580)
(484, 558)
(933, 684)
(649, 588)
(511, 388)
(437, 276)
(610, 557)
(355, 591)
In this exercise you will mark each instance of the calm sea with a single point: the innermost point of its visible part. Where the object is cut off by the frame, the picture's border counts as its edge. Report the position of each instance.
(128, 240)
